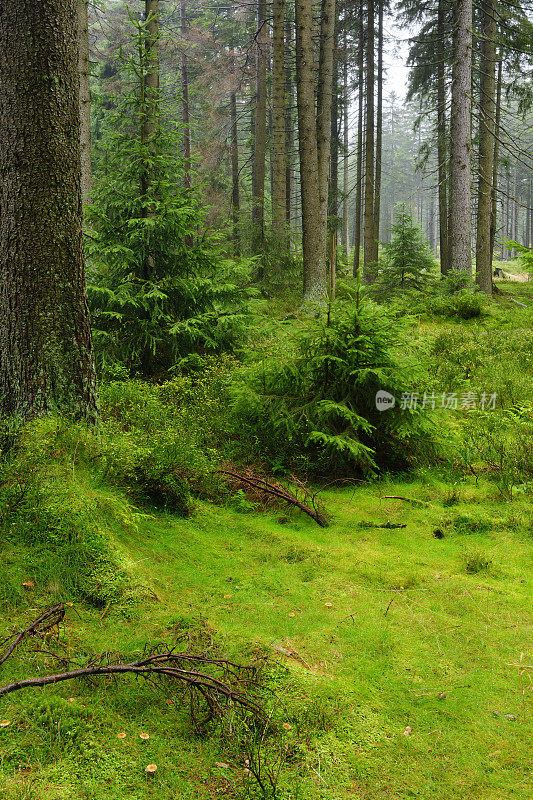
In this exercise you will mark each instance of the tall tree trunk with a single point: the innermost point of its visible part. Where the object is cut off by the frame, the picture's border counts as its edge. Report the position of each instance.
(486, 145)
(324, 104)
(442, 150)
(359, 177)
(185, 120)
(149, 92)
(369, 233)
(46, 357)
(333, 205)
(289, 126)
(258, 177)
(235, 193)
(279, 176)
(495, 165)
(379, 131)
(345, 143)
(460, 136)
(85, 100)
(313, 238)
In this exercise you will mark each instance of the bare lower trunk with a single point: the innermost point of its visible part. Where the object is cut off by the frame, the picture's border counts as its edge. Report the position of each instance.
(345, 145)
(369, 233)
(486, 147)
(46, 358)
(279, 171)
(495, 164)
(460, 136)
(324, 103)
(313, 238)
(359, 178)
(258, 177)
(442, 151)
(379, 131)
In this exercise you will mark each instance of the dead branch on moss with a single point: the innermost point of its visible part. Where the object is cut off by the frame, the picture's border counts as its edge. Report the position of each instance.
(247, 478)
(44, 623)
(215, 680)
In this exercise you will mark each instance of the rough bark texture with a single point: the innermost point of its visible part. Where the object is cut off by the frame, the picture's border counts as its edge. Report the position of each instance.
(379, 131)
(345, 143)
(486, 146)
(186, 131)
(324, 102)
(369, 233)
(313, 235)
(85, 100)
(442, 152)
(496, 158)
(258, 176)
(235, 193)
(359, 175)
(289, 127)
(46, 358)
(460, 232)
(279, 167)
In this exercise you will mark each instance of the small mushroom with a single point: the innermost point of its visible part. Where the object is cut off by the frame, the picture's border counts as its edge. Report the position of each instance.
(150, 769)
(144, 736)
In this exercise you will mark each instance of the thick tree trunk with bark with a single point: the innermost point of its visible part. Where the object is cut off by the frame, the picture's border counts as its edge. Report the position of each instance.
(279, 167)
(46, 357)
(313, 234)
(486, 146)
(460, 232)
(258, 175)
(289, 126)
(85, 100)
(442, 150)
(149, 90)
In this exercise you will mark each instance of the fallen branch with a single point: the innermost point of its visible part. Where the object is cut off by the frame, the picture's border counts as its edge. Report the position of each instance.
(49, 619)
(387, 525)
(275, 490)
(186, 669)
(405, 499)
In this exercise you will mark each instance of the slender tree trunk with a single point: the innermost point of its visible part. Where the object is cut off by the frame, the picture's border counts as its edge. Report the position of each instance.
(258, 178)
(85, 100)
(442, 150)
(495, 165)
(333, 204)
(369, 233)
(359, 177)
(149, 60)
(345, 143)
(379, 132)
(279, 176)
(289, 127)
(486, 146)
(313, 238)
(46, 357)
(235, 193)
(185, 120)
(324, 105)
(460, 135)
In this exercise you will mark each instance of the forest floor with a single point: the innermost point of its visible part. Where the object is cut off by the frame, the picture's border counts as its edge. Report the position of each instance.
(409, 669)
(399, 659)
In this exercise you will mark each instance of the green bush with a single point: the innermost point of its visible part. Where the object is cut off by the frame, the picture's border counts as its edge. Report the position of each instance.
(313, 410)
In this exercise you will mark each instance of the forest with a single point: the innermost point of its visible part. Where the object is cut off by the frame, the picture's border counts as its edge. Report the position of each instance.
(266, 399)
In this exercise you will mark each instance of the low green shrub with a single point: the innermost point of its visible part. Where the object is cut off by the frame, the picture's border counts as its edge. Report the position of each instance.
(313, 409)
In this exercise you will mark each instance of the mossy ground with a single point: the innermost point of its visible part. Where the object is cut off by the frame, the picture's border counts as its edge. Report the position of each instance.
(412, 618)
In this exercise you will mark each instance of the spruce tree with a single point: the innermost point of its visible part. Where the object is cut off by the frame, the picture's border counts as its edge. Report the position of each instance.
(407, 260)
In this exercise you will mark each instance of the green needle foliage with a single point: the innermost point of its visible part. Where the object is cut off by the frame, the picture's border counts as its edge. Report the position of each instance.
(407, 262)
(315, 411)
(158, 286)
